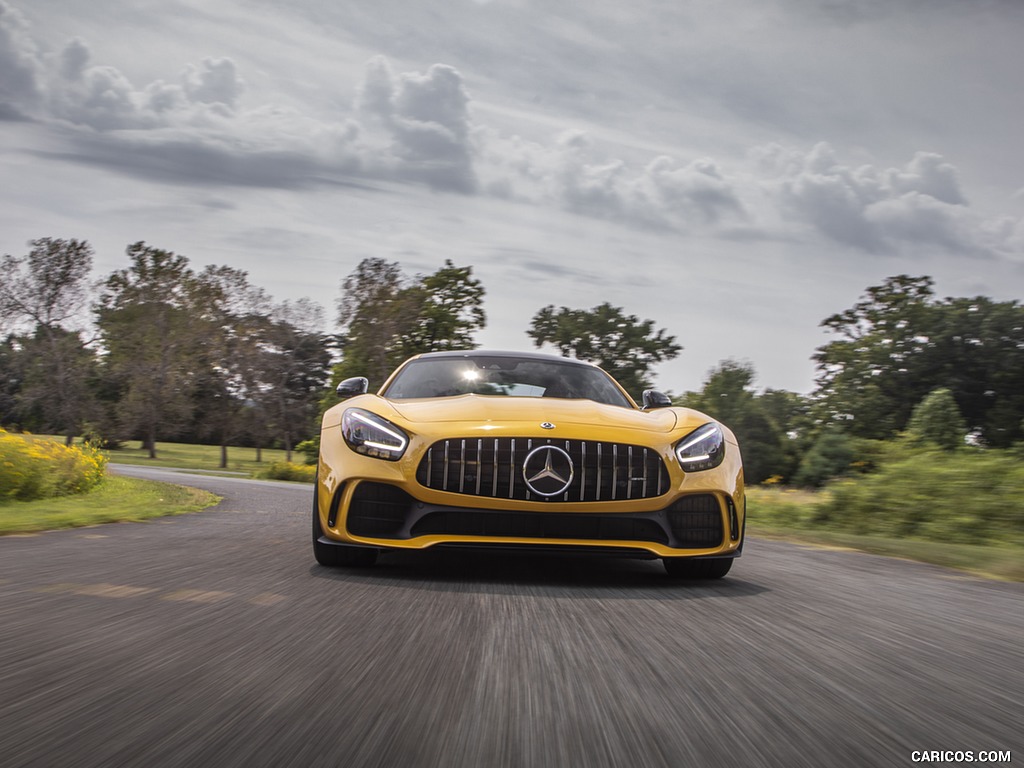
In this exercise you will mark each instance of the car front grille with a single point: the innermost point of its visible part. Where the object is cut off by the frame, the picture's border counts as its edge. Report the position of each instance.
(493, 468)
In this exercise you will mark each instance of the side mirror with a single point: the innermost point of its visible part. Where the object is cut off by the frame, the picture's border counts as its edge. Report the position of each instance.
(357, 385)
(655, 399)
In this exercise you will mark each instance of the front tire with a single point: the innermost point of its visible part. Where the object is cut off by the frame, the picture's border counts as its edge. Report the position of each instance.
(694, 568)
(332, 555)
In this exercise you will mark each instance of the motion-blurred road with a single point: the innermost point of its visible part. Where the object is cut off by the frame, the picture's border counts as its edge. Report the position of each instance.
(214, 639)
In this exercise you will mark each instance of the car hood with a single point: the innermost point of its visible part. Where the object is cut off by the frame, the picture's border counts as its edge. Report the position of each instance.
(485, 409)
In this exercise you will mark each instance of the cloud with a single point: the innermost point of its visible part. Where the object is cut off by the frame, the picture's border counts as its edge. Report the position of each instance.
(880, 210)
(214, 82)
(21, 84)
(426, 118)
(204, 127)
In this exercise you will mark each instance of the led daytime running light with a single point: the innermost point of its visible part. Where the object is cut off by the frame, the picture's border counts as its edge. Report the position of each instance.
(704, 448)
(372, 435)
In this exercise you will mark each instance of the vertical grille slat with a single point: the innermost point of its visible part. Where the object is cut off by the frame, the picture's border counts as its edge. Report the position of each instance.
(462, 467)
(583, 471)
(479, 464)
(493, 467)
(629, 473)
(512, 471)
(494, 470)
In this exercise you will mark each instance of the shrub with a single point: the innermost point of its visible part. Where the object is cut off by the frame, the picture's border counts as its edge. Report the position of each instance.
(937, 419)
(830, 456)
(773, 507)
(285, 470)
(41, 469)
(310, 449)
(963, 496)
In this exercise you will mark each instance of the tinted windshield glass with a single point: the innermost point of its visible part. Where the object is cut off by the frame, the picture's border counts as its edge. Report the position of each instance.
(503, 376)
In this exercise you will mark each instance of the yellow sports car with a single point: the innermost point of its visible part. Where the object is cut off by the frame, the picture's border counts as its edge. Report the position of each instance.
(525, 450)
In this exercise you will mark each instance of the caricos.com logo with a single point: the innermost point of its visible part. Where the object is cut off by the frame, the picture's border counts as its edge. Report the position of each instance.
(959, 756)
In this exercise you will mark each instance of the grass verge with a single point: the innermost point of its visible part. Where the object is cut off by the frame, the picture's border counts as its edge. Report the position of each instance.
(116, 499)
(192, 456)
(785, 515)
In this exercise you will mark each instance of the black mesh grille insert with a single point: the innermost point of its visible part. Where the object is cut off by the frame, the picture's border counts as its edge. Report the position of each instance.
(378, 510)
(696, 521)
(493, 468)
(539, 525)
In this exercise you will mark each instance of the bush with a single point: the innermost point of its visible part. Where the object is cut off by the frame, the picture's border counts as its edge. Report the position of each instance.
(775, 507)
(963, 496)
(310, 449)
(41, 469)
(830, 456)
(285, 470)
(937, 419)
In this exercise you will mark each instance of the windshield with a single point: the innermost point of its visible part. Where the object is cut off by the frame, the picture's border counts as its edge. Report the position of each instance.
(503, 376)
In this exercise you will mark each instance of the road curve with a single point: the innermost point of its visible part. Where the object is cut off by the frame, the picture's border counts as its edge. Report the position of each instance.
(214, 639)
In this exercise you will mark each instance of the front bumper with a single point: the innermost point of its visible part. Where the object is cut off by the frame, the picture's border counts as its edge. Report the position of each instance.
(386, 516)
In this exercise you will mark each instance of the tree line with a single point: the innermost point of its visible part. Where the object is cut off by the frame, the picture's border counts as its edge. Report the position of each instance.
(160, 350)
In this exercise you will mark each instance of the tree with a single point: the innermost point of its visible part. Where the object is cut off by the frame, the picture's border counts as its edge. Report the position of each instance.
(58, 371)
(10, 379)
(873, 374)
(898, 343)
(937, 419)
(229, 354)
(980, 347)
(450, 311)
(43, 293)
(294, 367)
(374, 311)
(621, 344)
(152, 318)
(387, 317)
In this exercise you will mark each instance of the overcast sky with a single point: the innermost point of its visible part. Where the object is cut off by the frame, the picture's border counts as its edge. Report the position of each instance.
(734, 171)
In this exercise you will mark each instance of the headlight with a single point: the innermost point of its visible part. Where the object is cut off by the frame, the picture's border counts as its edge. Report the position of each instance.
(370, 435)
(704, 448)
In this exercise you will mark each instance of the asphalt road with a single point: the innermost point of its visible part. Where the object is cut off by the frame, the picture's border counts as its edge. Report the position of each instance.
(214, 639)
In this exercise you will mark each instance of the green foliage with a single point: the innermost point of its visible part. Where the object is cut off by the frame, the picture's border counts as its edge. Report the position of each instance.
(937, 419)
(785, 508)
(40, 469)
(48, 286)
(898, 343)
(388, 318)
(151, 318)
(450, 311)
(830, 456)
(623, 345)
(285, 470)
(965, 496)
(310, 449)
(42, 294)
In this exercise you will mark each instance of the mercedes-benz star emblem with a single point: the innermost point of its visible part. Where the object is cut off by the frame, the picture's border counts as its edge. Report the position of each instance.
(548, 470)
(546, 425)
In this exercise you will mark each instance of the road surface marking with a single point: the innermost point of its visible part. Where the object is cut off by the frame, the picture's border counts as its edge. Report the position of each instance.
(197, 596)
(96, 590)
(267, 598)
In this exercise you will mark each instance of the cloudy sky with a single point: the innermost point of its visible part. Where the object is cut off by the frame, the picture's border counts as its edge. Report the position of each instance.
(734, 171)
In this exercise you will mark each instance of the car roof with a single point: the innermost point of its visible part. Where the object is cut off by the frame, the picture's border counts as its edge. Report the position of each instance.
(466, 353)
